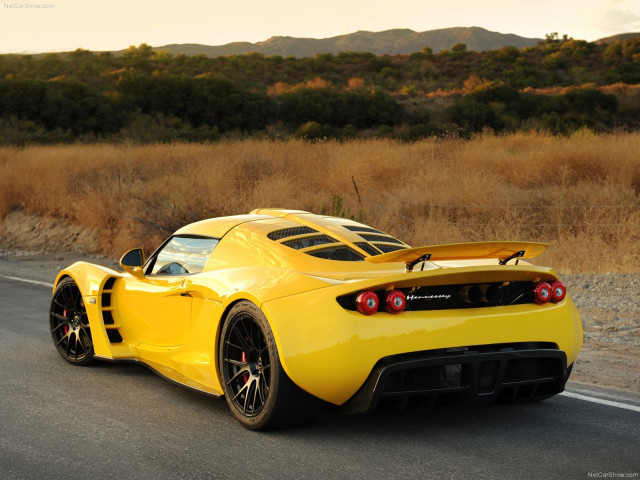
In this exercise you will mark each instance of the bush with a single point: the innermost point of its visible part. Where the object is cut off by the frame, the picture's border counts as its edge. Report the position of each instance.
(327, 106)
(472, 115)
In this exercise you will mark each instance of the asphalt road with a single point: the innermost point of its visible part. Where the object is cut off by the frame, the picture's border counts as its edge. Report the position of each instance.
(122, 421)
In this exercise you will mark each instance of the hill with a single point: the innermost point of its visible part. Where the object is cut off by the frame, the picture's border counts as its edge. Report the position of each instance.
(618, 37)
(397, 41)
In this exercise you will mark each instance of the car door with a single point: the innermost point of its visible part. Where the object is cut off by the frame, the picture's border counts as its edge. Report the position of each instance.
(156, 306)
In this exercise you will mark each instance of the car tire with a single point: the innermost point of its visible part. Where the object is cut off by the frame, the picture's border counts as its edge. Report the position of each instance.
(257, 389)
(69, 323)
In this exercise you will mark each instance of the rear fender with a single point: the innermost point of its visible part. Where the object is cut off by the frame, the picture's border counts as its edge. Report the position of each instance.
(329, 351)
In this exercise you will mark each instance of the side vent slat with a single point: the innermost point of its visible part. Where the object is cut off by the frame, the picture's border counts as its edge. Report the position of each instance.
(106, 299)
(107, 317)
(108, 312)
(114, 336)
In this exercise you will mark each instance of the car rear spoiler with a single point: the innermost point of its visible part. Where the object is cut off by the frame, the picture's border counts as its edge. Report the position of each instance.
(502, 251)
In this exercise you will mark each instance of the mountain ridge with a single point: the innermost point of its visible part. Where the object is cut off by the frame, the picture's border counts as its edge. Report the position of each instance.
(619, 36)
(393, 41)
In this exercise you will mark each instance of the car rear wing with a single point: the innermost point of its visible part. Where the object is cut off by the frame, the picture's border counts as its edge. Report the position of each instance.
(502, 251)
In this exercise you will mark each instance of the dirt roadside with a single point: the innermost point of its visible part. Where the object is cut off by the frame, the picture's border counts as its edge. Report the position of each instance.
(609, 304)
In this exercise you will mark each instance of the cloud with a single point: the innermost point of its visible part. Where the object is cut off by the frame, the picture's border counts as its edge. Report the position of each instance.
(617, 16)
(620, 20)
(597, 19)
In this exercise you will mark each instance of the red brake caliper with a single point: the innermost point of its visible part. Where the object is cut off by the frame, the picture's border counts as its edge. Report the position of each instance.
(245, 377)
(65, 328)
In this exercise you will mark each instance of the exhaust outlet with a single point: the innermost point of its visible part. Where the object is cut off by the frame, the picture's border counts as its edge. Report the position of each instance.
(471, 294)
(491, 293)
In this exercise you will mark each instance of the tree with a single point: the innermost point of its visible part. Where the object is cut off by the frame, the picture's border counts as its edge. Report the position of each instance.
(458, 51)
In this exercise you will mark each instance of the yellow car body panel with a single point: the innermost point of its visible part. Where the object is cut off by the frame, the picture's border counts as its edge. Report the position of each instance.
(332, 359)
(172, 323)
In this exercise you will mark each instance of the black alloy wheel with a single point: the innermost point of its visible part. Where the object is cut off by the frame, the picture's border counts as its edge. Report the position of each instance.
(69, 323)
(246, 365)
(257, 389)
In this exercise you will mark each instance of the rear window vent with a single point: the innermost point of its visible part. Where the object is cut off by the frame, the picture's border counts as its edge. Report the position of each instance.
(380, 238)
(306, 242)
(290, 232)
(389, 248)
(342, 253)
(370, 249)
(358, 228)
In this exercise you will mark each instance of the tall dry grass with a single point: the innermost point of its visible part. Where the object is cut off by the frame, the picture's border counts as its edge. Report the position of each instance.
(581, 194)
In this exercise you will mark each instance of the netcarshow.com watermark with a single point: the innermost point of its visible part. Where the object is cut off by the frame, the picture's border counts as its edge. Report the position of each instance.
(612, 474)
(28, 5)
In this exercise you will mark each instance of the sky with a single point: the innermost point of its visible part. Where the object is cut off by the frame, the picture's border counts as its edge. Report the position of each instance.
(28, 26)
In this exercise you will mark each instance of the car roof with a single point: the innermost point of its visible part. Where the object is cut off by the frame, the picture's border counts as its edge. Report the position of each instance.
(218, 227)
(286, 226)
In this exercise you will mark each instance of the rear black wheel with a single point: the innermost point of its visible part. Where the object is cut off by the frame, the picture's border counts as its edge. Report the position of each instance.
(257, 389)
(69, 323)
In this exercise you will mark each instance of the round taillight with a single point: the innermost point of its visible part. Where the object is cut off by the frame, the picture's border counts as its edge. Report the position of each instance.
(367, 302)
(395, 301)
(558, 291)
(542, 293)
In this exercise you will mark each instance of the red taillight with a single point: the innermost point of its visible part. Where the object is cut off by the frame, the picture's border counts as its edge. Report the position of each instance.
(367, 302)
(542, 293)
(395, 301)
(558, 291)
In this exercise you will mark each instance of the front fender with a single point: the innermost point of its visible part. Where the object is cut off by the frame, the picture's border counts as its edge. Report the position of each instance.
(89, 277)
(91, 280)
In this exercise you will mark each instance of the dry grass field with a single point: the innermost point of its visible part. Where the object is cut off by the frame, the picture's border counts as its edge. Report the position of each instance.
(581, 194)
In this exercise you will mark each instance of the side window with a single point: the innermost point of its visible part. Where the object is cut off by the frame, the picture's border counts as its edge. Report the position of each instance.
(182, 255)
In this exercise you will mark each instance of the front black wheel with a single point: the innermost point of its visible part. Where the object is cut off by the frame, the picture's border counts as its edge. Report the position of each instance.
(257, 389)
(69, 323)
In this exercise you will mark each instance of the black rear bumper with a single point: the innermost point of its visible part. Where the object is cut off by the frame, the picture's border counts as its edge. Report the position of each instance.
(485, 373)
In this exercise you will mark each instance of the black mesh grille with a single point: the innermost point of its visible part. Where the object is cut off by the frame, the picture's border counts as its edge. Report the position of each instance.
(305, 242)
(380, 238)
(388, 248)
(370, 249)
(344, 254)
(357, 228)
(290, 232)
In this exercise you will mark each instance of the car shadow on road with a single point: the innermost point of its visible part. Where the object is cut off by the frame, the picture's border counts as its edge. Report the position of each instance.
(435, 420)
(442, 420)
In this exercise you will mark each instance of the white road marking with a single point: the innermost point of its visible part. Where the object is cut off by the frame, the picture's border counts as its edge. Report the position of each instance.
(601, 401)
(35, 282)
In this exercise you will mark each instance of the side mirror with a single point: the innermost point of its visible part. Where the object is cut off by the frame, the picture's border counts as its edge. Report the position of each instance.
(132, 262)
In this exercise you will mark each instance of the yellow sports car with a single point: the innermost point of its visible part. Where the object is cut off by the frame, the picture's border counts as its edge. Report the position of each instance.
(284, 311)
